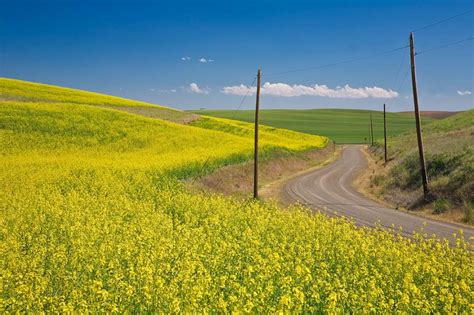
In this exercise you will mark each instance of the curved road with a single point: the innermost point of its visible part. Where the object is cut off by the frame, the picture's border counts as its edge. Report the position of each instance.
(330, 189)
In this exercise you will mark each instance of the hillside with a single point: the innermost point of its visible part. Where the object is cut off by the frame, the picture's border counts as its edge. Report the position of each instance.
(435, 114)
(49, 103)
(94, 219)
(23, 91)
(341, 125)
(449, 152)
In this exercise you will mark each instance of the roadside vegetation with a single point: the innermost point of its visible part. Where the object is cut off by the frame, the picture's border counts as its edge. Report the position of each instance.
(449, 153)
(94, 218)
(341, 125)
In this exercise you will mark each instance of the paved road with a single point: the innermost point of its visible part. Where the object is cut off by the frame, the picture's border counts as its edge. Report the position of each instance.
(330, 189)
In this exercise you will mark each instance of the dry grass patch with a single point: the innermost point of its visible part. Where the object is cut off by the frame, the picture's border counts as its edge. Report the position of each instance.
(164, 113)
(237, 180)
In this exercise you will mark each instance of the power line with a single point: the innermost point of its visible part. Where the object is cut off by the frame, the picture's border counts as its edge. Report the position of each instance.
(373, 55)
(400, 86)
(397, 77)
(421, 52)
(445, 45)
(402, 82)
(233, 116)
(243, 98)
(378, 54)
(338, 63)
(442, 21)
(399, 68)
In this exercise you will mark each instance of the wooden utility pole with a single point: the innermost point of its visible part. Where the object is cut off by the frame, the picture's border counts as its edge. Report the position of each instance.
(371, 132)
(368, 141)
(385, 134)
(417, 117)
(255, 156)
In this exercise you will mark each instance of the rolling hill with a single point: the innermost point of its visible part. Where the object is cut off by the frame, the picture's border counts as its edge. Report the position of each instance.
(341, 125)
(94, 219)
(449, 152)
(436, 114)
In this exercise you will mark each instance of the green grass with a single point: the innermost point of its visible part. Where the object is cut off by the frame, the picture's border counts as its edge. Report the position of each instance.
(341, 125)
(452, 123)
(449, 155)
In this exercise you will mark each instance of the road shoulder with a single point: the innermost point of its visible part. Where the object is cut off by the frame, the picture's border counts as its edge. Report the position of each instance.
(237, 180)
(364, 183)
(274, 190)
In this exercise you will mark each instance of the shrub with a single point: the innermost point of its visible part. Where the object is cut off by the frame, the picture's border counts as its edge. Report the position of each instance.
(440, 206)
(377, 180)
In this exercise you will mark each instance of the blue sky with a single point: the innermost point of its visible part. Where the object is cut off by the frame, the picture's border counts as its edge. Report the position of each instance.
(135, 49)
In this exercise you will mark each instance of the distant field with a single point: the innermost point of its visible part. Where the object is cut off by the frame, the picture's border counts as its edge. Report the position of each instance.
(342, 125)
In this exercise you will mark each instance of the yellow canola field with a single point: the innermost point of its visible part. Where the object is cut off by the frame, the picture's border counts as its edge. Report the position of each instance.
(95, 240)
(94, 219)
(267, 135)
(11, 89)
(66, 133)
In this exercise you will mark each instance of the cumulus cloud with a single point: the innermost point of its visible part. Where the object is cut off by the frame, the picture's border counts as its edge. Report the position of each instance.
(194, 88)
(464, 93)
(239, 90)
(286, 90)
(185, 58)
(162, 91)
(204, 60)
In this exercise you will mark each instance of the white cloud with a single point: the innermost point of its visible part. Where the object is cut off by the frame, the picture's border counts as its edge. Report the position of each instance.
(185, 58)
(286, 90)
(464, 93)
(194, 88)
(239, 90)
(162, 91)
(204, 60)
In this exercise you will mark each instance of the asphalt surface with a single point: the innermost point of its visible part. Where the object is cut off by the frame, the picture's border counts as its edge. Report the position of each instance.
(330, 189)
